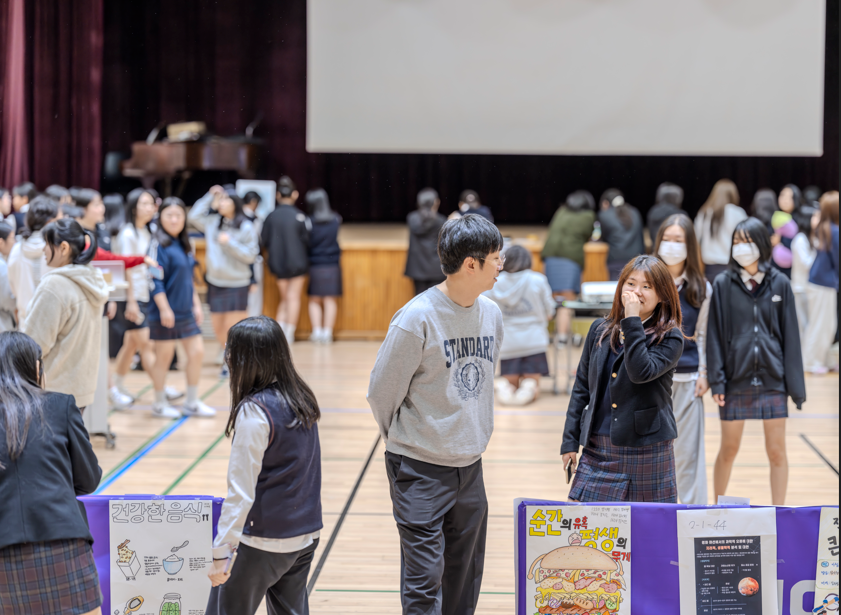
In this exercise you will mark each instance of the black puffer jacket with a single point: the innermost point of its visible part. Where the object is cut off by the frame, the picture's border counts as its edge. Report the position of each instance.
(753, 340)
(640, 382)
(286, 237)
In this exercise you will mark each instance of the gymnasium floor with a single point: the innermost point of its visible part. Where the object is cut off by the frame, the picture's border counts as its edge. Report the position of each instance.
(361, 572)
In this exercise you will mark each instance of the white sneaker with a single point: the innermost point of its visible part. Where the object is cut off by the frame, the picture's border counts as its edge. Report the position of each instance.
(526, 393)
(316, 337)
(119, 400)
(165, 412)
(122, 389)
(172, 393)
(199, 409)
(504, 391)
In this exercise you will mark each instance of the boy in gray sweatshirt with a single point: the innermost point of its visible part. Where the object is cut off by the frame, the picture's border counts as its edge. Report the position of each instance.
(431, 393)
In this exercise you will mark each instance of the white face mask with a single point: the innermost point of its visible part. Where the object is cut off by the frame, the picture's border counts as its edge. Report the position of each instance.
(672, 252)
(745, 253)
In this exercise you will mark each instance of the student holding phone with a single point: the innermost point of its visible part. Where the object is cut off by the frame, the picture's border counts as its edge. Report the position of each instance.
(620, 410)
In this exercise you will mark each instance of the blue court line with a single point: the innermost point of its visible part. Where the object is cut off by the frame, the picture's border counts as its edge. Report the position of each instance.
(163, 436)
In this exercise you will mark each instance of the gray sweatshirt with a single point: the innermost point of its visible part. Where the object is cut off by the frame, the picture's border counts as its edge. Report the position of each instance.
(431, 388)
(228, 265)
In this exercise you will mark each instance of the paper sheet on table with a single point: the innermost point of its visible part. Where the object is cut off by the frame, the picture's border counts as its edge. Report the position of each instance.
(728, 561)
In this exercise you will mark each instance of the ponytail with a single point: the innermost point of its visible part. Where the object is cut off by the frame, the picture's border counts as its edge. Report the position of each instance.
(82, 242)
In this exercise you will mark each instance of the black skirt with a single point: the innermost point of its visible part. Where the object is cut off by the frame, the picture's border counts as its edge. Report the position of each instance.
(325, 281)
(534, 364)
(222, 299)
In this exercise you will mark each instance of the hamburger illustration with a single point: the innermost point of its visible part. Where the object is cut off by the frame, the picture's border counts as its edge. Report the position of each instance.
(577, 581)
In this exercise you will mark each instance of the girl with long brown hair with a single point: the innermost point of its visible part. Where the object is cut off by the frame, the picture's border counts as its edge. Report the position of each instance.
(620, 409)
(714, 226)
(677, 247)
(822, 289)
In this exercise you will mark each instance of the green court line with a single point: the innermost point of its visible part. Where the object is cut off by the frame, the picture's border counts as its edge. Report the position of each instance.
(134, 453)
(198, 460)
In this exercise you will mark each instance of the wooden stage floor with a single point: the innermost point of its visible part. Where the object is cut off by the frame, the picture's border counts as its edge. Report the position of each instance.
(361, 572)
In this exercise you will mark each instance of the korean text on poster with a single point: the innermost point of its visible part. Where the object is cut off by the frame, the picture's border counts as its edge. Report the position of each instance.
(160, 554)
(826, 577)
(579, 559)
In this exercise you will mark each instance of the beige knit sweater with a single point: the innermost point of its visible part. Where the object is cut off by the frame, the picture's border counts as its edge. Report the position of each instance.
(65, 319)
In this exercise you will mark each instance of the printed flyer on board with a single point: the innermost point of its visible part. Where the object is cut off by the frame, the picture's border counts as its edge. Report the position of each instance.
(728, 561)
(160, 555)
(579, 559)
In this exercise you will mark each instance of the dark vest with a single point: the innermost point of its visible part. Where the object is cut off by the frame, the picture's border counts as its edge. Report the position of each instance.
(689, 359)
(287, 502)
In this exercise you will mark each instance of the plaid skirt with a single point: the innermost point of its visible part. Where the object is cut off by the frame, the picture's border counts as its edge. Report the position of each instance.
(43, 578)
(182, 330)
(754, 404)
(223, 299)
(608, 473)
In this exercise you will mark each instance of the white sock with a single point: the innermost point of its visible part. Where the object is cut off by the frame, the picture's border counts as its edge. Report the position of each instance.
(192, 395)
(160, 398)
(118, 381)
(318, 332)
(290, 332)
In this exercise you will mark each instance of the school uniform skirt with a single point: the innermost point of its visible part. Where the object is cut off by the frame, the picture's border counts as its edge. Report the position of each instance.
(754, 404)
(533, 364)
(609, 473)
(222, 299)
(563, 274)
(41, 578)
(325, 281)
(183, 329)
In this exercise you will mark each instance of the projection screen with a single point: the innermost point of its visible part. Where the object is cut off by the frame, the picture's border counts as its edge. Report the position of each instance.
(693, 77)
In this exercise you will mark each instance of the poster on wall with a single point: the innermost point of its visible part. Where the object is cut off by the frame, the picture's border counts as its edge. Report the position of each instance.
(160, 553)
(728, 561)
(826, 577)
(579, 559)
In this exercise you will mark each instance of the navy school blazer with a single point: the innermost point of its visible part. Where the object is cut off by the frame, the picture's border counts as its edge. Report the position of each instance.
(640, 387)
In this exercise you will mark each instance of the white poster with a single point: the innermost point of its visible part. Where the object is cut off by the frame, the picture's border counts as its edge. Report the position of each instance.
(826, 578)
(728, 561)
(160, 555)
(579, 557)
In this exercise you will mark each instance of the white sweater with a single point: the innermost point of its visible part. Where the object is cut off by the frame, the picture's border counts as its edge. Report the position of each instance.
(715, 250)
(802, 256)
(27, 265)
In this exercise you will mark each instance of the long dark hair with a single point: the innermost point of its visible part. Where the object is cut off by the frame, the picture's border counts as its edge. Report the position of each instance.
(829, 216)
(724, 192)
(83, 197)
(21, 393)
(666, 315)
(164, 238)
(696, 283)
(131, 205)
(318, 206)
(517, 259)
(82, 242)
(616, 199)
(115, 213)
(239, 211)
(258, 358)
(42, 209)
(426, 200)
(755, 231)
(580, 200)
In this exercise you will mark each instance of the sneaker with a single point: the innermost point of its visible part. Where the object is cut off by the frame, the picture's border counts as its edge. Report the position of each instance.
(122, 389)
(199, 409)
(119, 400)
(224, 373)
(172, 393)
(165, 412)
(316, 338)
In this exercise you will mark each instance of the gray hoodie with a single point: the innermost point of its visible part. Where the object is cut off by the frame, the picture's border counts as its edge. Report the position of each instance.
(526, 302)
(65, 319)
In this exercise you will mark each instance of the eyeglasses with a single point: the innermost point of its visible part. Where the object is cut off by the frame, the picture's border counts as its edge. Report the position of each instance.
(500, 258)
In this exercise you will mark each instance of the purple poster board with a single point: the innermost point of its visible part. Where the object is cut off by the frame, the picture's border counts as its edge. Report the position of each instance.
(654, 582)
(96, 507)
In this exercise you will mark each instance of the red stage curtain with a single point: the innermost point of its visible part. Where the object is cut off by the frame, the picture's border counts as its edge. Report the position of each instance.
(14, 154)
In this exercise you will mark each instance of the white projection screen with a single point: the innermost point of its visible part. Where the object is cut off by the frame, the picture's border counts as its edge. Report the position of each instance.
(683, 77)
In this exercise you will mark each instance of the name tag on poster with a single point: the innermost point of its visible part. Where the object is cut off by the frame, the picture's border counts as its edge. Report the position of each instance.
(728, 561)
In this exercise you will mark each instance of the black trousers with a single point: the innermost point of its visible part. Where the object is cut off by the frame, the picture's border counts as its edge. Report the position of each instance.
(442, 517)
(280, 577)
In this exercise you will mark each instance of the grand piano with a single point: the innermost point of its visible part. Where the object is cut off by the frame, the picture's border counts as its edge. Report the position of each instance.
(166, 160)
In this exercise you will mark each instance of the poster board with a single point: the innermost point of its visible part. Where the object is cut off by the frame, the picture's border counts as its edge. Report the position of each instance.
(728, 561)
(159, 555)
(826, 575)
(267, 189)
(580, 557)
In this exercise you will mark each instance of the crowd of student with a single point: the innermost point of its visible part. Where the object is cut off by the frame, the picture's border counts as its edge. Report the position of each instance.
(635, 412)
